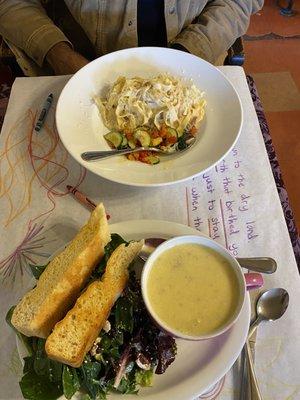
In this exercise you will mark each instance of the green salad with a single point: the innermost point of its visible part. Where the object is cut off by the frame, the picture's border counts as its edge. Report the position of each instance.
(125, 356)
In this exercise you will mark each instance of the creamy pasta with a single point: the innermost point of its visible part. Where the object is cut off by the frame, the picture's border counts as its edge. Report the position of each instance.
(153, 102)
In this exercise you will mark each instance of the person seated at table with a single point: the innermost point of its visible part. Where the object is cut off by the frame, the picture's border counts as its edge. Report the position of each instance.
(82, 30)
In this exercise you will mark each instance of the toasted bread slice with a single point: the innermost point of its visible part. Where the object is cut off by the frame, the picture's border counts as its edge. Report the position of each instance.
(64, 277)
(74, 336)
(116, 272)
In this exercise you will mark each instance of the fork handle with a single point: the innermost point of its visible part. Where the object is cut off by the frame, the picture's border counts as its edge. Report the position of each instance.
(98, 155)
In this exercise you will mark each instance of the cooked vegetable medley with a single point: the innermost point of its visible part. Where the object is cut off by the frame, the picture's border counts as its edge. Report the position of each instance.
(163, 139)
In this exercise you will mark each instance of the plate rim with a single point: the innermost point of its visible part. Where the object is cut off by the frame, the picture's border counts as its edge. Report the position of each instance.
(86, 164)
(166, 227)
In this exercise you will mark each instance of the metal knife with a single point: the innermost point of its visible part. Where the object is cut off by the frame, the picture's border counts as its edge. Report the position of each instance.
(245, 388)
(251, 390)
(254, 294)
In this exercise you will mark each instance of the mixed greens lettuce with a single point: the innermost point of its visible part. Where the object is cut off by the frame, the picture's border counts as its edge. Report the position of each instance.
(124, 357)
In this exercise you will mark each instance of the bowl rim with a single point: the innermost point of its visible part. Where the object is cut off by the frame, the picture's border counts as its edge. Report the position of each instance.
(204, 241)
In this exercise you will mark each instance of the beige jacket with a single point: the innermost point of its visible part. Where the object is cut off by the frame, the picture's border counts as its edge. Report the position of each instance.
(206, 28)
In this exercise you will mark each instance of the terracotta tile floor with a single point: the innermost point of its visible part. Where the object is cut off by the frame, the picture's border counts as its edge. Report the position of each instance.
(274, 64)
(269, 20)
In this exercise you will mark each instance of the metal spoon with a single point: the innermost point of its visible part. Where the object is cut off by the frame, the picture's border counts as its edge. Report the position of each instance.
(177, 147)
(265, 265)
(271, 305)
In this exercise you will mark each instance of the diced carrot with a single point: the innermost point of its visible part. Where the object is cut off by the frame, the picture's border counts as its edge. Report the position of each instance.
(142, 158)
(145, 159)
(155, 134)
(193, 131)
(163, 131)
(171, 140)
(129, 135)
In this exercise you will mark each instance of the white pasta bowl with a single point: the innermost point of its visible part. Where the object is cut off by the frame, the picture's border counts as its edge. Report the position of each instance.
(81, 128)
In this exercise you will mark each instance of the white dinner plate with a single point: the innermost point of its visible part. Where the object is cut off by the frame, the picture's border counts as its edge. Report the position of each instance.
(198, 365)
(81, 128)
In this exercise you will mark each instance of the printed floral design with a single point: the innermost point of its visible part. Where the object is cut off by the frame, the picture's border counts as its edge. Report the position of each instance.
(30, 161)
(29, 251)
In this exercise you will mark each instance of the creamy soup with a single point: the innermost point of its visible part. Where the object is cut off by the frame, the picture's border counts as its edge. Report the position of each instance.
(193, 289)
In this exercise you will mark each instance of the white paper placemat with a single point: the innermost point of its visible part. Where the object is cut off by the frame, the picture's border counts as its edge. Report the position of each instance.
(236, 203)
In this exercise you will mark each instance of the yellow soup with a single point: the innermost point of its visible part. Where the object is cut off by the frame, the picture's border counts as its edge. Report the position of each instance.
(193, 289)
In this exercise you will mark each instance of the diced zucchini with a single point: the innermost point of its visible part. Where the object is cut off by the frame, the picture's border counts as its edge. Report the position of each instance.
(180, 132)
(131, 144)
(114, 138)
(172, 133)
(142, 136)
(151, 159)
(156, 141)
(124, 142)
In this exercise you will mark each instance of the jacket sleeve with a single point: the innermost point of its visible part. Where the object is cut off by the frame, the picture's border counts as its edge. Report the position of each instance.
(217, 27)
(25, 24)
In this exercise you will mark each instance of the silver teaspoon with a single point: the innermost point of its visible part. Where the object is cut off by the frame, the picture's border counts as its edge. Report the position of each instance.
(271, 305)
(265, 265)
(177, 147)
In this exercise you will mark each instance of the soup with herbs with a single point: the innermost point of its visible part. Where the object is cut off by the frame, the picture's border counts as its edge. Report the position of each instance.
(193, 289)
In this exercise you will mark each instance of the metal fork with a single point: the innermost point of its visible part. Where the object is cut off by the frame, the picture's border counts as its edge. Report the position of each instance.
(177, 147)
